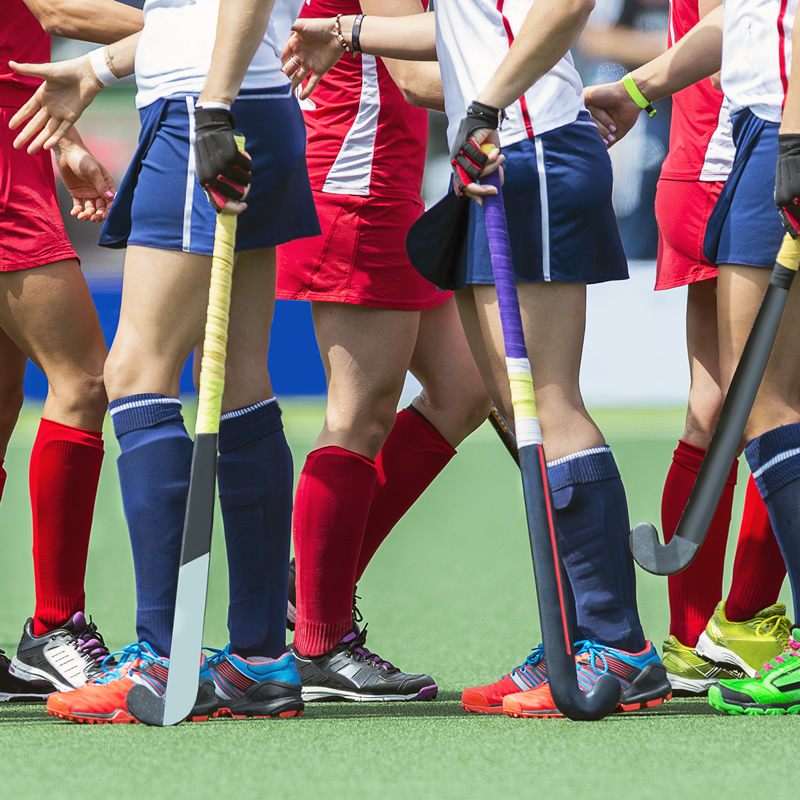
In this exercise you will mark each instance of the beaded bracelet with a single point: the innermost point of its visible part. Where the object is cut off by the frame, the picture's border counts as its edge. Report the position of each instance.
(337, 29)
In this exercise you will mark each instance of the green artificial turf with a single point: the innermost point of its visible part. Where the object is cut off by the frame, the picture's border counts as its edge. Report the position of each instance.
(450, 593)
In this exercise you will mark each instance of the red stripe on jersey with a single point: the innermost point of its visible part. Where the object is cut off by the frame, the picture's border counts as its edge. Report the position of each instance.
(522, 102)
(782, 50)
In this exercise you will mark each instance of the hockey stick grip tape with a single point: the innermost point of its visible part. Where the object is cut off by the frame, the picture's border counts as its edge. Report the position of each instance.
(215, 342)
(789, 254)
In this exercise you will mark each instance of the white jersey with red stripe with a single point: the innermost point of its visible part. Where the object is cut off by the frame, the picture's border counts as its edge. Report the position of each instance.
(472, 38)
(700, 141)
(174, 51)
(757, 55)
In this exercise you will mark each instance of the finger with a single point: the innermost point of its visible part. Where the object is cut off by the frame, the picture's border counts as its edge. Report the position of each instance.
(233, 207)
(311, 84)
(77, 207)
(35, 70)
(49, 130)
(27, 110)
(35, 124)
(601, 116)
(57, 135)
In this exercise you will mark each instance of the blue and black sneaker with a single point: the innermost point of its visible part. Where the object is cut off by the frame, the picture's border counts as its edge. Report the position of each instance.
(254, 687)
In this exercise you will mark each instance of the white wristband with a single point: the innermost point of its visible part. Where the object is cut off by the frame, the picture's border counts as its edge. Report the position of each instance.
(213, 104)
(97, 61)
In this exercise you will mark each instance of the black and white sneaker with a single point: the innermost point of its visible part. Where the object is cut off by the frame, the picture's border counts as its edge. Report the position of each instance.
(12, 689)
(351, 672)
(67, 657)
(291, 605)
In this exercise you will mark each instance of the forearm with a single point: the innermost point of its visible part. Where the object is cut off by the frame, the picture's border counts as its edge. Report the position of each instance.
(102, 21)
(408, 38)
(696, 56)
(120, 56)
(550, 29)
(791, 109)
(240, 28)
(419, 81)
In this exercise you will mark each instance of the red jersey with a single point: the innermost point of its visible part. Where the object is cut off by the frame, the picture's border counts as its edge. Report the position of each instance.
(21, 39)
(363, 138)
(700, 143)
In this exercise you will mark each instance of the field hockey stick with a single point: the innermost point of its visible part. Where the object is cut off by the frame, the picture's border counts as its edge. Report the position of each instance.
(679, 552)
(554, 614)
(508, 439)
(190, 600)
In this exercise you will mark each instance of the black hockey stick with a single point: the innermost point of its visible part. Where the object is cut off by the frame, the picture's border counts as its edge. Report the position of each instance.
(554, 614)
(679, 552)
(190, 601)
(504, 432)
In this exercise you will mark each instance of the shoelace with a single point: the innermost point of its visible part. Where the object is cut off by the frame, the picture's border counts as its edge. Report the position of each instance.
(776, 625)
(792, 651)
(91, 644)
(357, 646)
(215, 657)
(536, 656)
(117, 664)
(587, 652)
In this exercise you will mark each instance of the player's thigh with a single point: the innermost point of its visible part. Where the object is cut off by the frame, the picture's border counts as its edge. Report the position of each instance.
(49, 314)
(705, 395)
(453, 396)
(366, 352)
(252, 305)
(162, 317)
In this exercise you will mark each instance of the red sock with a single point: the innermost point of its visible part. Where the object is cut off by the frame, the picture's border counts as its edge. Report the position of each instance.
(413, 454)
(331, 506)
(695, 592)
(759, 569)
(2, 478)
(64, 471)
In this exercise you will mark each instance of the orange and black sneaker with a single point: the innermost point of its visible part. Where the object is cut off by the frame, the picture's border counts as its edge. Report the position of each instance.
(489, 699)
(104, 700)
(642, 676)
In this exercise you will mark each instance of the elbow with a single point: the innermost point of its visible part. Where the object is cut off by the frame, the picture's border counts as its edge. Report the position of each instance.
(56, 19)
(582, 8)
(412, 97)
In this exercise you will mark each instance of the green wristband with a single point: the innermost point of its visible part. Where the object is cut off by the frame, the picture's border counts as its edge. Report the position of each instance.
(637, 96)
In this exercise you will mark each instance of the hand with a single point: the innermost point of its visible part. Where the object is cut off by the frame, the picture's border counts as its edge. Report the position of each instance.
(311, 51)
(222, 170)
(613, 110)
(468, 160)
(787, 182)
(68, 88)
(86, 179)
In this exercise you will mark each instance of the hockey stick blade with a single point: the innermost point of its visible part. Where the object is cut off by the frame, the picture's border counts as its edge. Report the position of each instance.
(190, 601)
(678, 553)
(551, 585)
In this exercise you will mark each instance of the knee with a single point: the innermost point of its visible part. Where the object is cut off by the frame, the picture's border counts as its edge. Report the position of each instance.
(83, 395)
(118, 376)
(701, 419)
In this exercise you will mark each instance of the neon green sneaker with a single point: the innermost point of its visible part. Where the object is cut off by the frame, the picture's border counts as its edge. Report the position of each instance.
(690, 674)
(748, 644)
(774, 690)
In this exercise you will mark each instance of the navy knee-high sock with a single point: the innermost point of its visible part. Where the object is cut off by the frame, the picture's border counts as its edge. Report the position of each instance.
(774, 459)
(154, 470)
(255, 494)
(592, 518)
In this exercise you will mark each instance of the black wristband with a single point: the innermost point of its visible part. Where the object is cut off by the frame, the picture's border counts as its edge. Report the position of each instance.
(356, 34)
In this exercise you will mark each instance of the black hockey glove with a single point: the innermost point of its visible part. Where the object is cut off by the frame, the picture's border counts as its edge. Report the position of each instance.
(467, 160)
(787, 182)
(222, 170)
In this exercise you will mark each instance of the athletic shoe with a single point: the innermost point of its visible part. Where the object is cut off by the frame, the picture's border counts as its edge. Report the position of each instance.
(251, 687)
(749, 644)
(489, 699)
(67, 657)
(351, 672)
(105, 700)
(642, 675)
(689, 674)
(775, 689)
(12, 689)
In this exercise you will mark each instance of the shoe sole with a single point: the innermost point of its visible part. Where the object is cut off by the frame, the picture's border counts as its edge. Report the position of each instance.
(493, 709)
(690, 687)
(717, 701)
(116, 718)
(721, 655)
(228, 714)
(28, 673)
(620, 709)
(8, 697)
(313, 694)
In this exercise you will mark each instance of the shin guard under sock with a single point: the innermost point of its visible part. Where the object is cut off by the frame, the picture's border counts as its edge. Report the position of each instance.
(332, 503)
(758, 570)
(64, 472)
(593, 527)
(255, 496)
(774, 459)
(154, 468)
(413, 454)
(695, 592)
